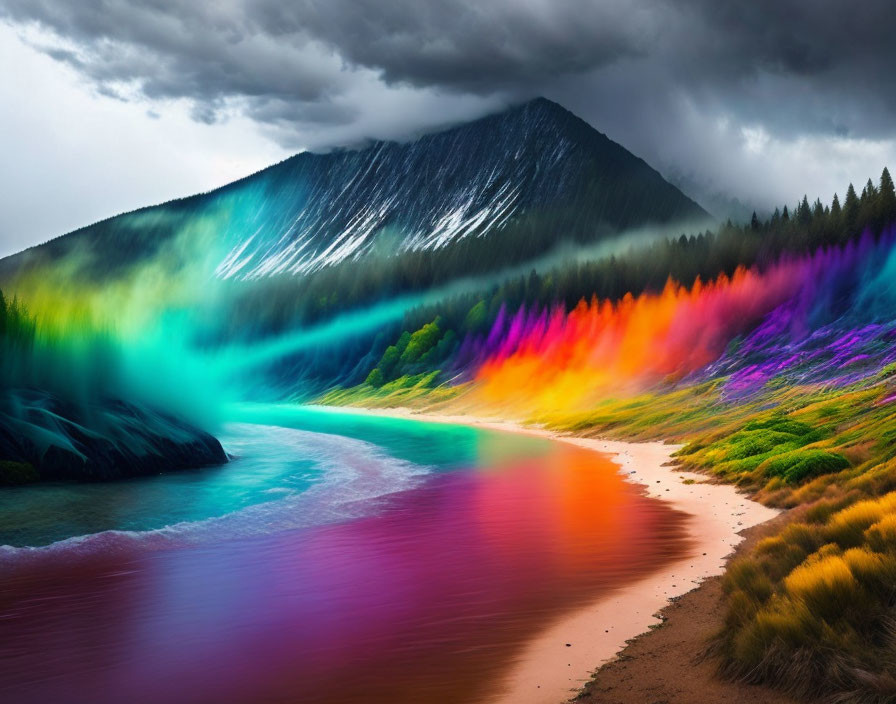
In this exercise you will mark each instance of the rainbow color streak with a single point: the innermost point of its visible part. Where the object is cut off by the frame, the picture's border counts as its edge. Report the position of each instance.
(540, 361)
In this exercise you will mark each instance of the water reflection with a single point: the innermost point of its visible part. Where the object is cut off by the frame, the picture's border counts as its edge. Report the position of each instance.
(426, 599)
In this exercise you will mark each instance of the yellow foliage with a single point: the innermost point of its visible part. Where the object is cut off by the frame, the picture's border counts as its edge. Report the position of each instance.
(862, 560)
(771, 546)
(848, 526)
(787, 621)
(882, 535)
(821, 582)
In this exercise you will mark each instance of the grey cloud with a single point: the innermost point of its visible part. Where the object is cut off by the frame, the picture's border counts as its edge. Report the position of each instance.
(655, 74)
(265, 54)
(798, 66)
(178, 50)
(475, 46)
(791, 63)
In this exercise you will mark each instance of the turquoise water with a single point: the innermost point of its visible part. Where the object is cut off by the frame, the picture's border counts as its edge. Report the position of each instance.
(293, 466)
(438, 445)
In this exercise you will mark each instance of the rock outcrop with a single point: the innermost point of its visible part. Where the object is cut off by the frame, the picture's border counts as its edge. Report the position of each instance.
(43, 438)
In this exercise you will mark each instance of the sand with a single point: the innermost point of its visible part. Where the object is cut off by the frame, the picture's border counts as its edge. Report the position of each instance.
(548, 671)
(668, 665)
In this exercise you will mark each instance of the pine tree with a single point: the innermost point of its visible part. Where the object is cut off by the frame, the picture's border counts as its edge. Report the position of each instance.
(868, 207)
(886, 203)
(886, 183)
(869, 192)
(833, 228)
(850, 212)
(803, 213)
(754, 222)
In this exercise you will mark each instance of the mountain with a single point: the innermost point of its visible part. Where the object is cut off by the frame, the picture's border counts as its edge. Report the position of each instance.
(532, 168)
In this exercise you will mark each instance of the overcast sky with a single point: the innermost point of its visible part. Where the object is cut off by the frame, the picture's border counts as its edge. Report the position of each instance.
(107, 105)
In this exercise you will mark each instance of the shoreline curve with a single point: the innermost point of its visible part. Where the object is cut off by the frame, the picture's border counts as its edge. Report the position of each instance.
(549, 671)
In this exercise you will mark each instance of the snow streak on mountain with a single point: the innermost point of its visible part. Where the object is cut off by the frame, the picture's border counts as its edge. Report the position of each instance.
(533, 168)
(468, 181)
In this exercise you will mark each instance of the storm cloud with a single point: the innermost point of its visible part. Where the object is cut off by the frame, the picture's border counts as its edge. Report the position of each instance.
(699, 88)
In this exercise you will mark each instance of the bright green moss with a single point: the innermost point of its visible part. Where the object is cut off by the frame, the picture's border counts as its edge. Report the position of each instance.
(798, 465)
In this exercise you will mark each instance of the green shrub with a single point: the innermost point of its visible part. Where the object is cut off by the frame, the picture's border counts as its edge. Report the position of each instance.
(421, 342)
(797, 465)
(375, 378)
(749, 443)
(782, 424)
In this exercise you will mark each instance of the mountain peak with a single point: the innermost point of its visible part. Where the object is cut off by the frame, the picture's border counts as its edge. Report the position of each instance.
(538, 116)
(543, 110)
(541, 104)
(532, 173)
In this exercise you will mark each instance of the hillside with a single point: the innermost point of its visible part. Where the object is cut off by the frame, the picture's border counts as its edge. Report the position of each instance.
(535, 170)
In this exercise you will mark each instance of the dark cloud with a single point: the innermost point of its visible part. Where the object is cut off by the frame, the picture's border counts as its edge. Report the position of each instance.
(267, 54)
(797, 65)
(201, 52)
(820, 65)
(474, 46)
(656, 74)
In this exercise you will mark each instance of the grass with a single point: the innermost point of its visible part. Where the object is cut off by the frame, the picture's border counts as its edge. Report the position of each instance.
(812, 610)
(796, 465)
(408, 390)
(817, 623)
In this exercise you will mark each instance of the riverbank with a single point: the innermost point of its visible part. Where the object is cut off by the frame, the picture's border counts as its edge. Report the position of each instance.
(669, 664)
(561, 660)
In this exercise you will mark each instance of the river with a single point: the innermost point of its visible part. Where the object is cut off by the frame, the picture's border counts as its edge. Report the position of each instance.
(337, 558)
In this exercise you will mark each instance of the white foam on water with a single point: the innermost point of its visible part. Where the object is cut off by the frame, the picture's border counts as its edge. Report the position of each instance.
(347, 475)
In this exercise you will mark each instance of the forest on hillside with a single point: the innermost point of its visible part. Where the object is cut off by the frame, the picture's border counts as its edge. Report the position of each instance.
(443, 326)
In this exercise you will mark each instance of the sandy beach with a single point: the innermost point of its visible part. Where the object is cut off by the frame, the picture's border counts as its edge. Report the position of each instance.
(556, 664)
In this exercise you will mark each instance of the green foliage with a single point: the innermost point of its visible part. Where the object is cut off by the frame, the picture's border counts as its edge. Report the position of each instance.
(782, 424)
(421, 342)
(17, 334)
(388, 361)
(413, 354)
(766, 447)
(375, 378)
(797, 465)
(16, 325)
(477, 319)
(403, 391)
(403, 342)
